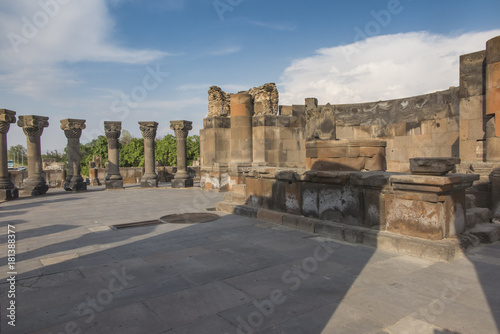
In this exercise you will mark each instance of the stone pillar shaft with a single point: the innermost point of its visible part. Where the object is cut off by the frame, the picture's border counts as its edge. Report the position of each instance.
(148, 130)
(33, 126)
(241, 128)
(73, 130)
(114, 180)
(7, 189)
(182, 178)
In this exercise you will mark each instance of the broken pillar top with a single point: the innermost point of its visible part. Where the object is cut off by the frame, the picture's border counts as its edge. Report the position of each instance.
(32, 124)
(241, 98)
(265, 99)
(218, 102)
(112, 129)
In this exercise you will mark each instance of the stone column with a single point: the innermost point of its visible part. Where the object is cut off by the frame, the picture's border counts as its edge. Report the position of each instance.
(493, 99)
(150, 178)
(182, 178)
(33, 126)
(241, 128)
(114, 180)
(7, 189)
(73, 130)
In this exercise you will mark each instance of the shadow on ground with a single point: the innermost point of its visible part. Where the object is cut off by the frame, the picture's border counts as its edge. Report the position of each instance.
(238, 275)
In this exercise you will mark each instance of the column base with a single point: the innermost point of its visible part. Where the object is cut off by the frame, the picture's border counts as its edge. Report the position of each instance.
(114, 184)
(75, 186)
(36, 190)
(149, 183)
(182, 183)
(9, 194)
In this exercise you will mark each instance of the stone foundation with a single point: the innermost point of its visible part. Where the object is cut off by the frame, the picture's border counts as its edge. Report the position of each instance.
(428, 207)
(346, 155)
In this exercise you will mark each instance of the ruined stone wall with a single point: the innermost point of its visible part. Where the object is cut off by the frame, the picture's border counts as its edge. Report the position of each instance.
(473, 119)
(55, 177)
(450, 123)
(420, 126)
(277, 140)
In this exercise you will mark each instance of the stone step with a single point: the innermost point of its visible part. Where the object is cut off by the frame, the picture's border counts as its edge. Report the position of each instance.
(235, 198)
(482, 214)
(486, 232)
(239, 189)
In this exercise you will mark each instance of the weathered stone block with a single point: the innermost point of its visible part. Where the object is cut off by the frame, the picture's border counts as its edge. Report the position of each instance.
(393, 166)
(329, 229)
(453, 124)
(330, 204)
(9, 194)
(471, 74)
(345, 132)
(432, 166)
(396, 129)
(397, 154)
(340, 164)
(361, 132)
(293, 198)
(270, 216)
(286, 110)
(415, 218)
(402, 141)
(310, 199)
(476, 129)
(114, 184)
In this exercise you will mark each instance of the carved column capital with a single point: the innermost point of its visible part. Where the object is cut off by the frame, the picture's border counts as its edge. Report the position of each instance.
(112, 129)
(6, 118)
(33, 125)
(148, 129)
(181, 128)
(73, 127)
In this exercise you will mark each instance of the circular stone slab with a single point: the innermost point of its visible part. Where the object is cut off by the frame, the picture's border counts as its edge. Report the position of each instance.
(189, 218)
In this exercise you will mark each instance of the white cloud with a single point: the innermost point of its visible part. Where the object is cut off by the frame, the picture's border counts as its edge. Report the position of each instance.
(39, 37)
(380, 68)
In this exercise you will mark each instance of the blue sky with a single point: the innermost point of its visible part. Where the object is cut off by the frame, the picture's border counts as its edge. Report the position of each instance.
(134, 60)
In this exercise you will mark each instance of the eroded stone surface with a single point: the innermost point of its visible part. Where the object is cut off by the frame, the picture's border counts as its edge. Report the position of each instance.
(218, 102)
(265, 99)
(433, 166)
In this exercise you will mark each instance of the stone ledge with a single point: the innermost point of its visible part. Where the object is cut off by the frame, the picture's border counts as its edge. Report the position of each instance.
(441, 250)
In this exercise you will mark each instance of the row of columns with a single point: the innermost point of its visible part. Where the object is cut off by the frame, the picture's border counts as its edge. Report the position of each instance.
(36, 184)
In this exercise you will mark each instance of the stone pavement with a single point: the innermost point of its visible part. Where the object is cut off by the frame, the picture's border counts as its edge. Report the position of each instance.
(232, 275)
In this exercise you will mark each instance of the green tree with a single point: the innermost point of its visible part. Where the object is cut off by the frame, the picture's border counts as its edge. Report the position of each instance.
(126, 137)
(55, 155)
(98, 147)
(132, 154)
(166, 150)
(193, 149)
